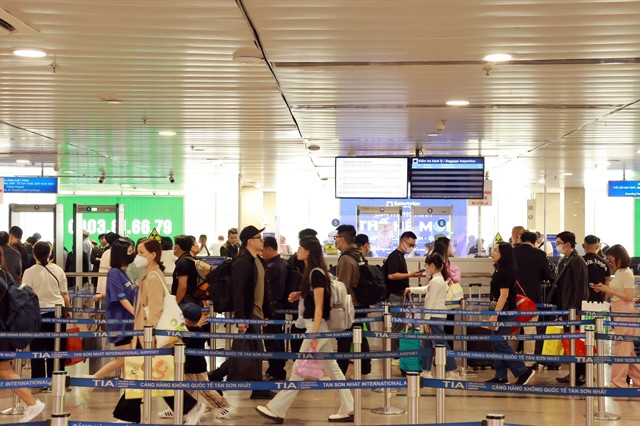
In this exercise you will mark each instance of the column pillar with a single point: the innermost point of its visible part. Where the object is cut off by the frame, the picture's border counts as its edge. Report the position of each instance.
(574, 212)
(251, 207)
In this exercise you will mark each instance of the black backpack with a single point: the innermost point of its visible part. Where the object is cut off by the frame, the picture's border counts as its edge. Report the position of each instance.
(371, 287)
(24, 311)
(221, 287)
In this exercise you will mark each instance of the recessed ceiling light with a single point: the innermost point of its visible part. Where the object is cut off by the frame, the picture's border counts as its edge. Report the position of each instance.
(113, 101)
(432, 134)
(497, 57)
(541, 180)
(567, 174)
(457, 103)
(23, 161)
(29, 53)
(70, 172)
(167, 133)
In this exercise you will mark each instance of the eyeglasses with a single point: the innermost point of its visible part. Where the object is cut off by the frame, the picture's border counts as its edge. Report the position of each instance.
(411, 245)
(335, 237)
(256, 238)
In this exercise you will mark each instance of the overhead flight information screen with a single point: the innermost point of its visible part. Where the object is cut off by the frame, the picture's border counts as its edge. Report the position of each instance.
(447, 177)
(371, 177)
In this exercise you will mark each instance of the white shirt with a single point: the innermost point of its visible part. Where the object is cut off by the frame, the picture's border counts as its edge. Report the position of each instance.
(436, 293)
(105, 265)
(621, 280)
(546, 247)
(45, 286)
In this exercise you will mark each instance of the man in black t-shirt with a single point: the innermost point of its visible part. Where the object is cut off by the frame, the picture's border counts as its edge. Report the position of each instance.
(397, 278)
(185, 276)
(597, 267)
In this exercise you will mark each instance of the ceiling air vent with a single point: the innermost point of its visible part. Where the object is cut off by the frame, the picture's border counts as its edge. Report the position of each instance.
(10, 25)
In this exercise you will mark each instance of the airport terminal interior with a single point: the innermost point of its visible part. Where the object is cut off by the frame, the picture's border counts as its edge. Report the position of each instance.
(456, 118)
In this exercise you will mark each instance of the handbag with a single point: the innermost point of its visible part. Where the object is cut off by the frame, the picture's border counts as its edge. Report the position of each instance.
(309, 368)
(245, 369)
(73, 344)
(523, 303)
(171, 319)
(553, 347)
(410, 363)
(162, 369)
(454, 293)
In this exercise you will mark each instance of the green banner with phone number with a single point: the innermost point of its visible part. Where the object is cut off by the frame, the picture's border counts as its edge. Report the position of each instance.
(142, 215)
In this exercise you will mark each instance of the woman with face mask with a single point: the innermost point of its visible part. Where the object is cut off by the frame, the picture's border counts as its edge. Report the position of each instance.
(120, 297)
(620, 291)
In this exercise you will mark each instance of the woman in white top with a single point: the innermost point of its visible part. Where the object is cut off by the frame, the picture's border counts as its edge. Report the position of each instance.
(620, 290)
(436, 293)
(49, 283)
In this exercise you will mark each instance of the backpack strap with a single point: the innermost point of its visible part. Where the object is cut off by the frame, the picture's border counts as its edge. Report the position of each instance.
(52, 274)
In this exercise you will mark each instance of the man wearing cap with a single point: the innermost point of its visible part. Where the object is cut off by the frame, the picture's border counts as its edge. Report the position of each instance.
(362, 240)
(251, 292)
(597, 267)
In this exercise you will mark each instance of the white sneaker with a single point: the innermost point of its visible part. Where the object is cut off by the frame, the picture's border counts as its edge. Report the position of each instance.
(224, 414)
(426, 375)
(32, 411)
(395, 361)
(366, 376)
(166, 414)
(193, 416)
(452, 375)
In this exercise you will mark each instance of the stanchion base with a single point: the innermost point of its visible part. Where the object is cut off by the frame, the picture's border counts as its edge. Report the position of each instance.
(392, 411)
(606, 416)
(13, 411)
(381, 390)
(468, 373)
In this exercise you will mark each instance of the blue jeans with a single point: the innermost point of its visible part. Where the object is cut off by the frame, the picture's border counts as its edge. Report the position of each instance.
(429, 345)
(502, 346)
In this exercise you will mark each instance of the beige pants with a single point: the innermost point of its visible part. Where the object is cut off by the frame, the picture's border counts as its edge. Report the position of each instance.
(213, 398)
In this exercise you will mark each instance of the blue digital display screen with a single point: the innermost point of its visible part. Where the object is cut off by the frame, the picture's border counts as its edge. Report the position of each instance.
(33, 185)
(624, 188)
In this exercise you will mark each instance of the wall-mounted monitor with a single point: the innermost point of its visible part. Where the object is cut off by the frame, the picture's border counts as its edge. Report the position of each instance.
(33, 185)
(624, 188)
(446, 177)
(371, 177)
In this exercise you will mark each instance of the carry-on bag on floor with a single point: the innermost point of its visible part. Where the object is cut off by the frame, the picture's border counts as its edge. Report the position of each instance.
(479, 346)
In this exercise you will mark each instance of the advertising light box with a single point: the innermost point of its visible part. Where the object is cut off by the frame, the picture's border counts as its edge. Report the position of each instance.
(142, 215)
(624, 188)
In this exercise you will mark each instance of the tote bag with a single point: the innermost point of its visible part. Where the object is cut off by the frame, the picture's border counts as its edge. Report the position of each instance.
(73, 344)
(553, 347)
(410, 363)
(171, 318)
(162, 369)
(309, 368)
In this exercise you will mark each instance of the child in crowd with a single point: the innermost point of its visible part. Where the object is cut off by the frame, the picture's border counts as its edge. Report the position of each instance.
(195, 367)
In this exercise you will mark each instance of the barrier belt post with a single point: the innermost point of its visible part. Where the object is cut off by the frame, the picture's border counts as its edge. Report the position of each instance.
(212, 341)
(56, 341)
(572, 347)
(589, 376)
(15, 408)
(494, 420)
(464, 371)
(59, 419)
(357, 375)
(287, 330)
(387, 409)
(413, 397)
(59, 388)
(178, 404)
(602, 413)
(227, 342)
(441, 360)
(148, 368)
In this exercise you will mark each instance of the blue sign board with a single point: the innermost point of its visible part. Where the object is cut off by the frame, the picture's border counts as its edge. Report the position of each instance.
(34, 185)
(624, 188)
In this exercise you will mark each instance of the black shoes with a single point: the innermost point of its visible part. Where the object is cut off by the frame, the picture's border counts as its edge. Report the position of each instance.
(580, 380)
(262, 394)
(525, 377)
(497, 380)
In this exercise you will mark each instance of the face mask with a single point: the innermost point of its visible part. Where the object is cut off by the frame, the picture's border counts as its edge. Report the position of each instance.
(409, 250)
(142, 262)
(561, 249)
(131, 257)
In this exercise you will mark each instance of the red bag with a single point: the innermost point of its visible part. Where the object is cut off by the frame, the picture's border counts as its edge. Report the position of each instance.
(523, 303)
(73, 344)
(581, 348)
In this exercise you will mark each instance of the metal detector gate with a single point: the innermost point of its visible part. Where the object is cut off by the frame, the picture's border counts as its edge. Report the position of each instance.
(79, 210)
(18, 217)
(383, 225)
(429, 222)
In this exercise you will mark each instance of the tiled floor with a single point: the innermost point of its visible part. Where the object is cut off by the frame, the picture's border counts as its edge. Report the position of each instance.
(313, 407)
